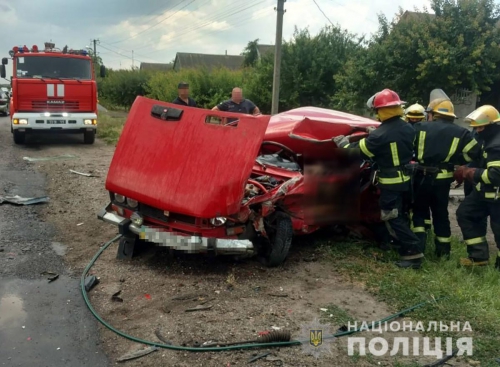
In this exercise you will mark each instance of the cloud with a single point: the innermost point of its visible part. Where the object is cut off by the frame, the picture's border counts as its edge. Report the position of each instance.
(156, 30)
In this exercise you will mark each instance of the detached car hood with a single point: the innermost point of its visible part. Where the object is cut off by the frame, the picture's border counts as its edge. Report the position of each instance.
(185, 165)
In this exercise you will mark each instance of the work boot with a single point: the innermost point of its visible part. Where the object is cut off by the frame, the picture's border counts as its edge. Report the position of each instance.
(469, 262)
(409, 264)
(497, 263)
(443, 250)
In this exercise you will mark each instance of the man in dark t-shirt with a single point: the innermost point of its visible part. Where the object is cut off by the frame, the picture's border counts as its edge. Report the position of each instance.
(183, 99)
(238, 104)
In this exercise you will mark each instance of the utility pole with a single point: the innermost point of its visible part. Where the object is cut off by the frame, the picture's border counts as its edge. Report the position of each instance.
(277, 56)
(94, 56)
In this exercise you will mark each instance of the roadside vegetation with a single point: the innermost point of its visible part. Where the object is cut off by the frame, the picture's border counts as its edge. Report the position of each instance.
(470, 295)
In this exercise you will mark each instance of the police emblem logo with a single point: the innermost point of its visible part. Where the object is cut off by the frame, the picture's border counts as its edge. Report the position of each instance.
(316, 338)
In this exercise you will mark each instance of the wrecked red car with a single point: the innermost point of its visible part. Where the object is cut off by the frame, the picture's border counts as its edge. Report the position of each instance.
(206, 181)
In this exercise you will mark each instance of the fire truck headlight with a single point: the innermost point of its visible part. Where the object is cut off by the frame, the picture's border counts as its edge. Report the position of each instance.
(65, 114)
(23, 122)
(87, 122)
(47, 114)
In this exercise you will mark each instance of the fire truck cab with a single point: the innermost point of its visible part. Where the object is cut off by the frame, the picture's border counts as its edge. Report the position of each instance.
(53, 91)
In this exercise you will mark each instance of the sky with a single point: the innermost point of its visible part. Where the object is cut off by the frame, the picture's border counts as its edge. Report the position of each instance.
(130, 31)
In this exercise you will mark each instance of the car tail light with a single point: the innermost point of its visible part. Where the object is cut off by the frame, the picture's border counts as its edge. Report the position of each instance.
(120, 198)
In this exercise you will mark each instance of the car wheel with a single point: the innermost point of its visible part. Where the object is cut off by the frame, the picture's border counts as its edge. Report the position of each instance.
(89, 137)
(280, 232)
(19, 137)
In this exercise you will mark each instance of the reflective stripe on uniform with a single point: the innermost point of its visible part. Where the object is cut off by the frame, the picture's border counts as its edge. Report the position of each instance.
(364, 149)
(347, 145)
(490, 195)
(394, 153)
(395, 180)
(421, 146)
(475, 241)
(467, 149)
(419, 230)
(444, 174)
(493, 164)
(453, 149)
(485, 177)
(427, 221)
(443, 239)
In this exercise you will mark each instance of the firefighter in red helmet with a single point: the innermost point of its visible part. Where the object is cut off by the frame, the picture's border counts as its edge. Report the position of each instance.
(390, 146)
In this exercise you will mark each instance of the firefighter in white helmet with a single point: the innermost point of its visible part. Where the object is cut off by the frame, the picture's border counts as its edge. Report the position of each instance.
(415, 113)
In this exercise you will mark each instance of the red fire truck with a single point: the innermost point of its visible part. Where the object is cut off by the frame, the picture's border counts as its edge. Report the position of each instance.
(53, 91)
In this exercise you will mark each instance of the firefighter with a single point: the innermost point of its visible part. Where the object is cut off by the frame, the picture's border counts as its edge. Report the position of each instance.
(416, 113)
(440, 144)
(468, 186)
(390, 146)
(483, 201)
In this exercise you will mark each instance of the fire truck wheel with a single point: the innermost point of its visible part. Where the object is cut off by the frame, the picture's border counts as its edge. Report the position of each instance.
(19, 137)
(89, 137)
(279, 229)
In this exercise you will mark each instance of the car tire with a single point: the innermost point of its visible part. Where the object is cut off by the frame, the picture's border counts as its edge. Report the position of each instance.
(279, 229)
(89, 137)
(19, 137)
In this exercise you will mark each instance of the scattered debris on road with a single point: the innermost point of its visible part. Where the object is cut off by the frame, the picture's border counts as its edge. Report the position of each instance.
(90, 282)
(81, 173)
(52, 278)
(79, 224)
(256, 358)
(199, 308)
(137, 354)
(115, 297)
(41, 159)
(18, 200)
(161, 338)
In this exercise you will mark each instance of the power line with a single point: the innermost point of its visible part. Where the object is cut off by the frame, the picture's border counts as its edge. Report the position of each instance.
(185, 34)
(322, 12)
(118, 53)
(210, 20)
(154, 25)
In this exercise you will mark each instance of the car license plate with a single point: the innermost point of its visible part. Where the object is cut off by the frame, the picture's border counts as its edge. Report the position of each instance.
(56, 122)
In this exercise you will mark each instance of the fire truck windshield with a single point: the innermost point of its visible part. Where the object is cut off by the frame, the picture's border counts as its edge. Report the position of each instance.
(52, 67)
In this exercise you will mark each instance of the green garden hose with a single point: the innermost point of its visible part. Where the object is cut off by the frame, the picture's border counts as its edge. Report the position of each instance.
(212, 349)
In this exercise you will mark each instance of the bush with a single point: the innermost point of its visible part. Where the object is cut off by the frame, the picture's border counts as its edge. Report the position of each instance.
(206, 88)
(121, 87)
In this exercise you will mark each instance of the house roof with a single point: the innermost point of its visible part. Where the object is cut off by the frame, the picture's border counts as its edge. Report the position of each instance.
(156, 66)
(414, 15)
(265, 49)
(191, 60)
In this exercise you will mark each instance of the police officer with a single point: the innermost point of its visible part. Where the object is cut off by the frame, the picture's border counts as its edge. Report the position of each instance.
(483, 201)
(416, 113)
(391, 147)
(440, 144)
(183, 98)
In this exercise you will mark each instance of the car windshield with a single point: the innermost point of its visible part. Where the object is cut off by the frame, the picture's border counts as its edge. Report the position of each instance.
(53, 67)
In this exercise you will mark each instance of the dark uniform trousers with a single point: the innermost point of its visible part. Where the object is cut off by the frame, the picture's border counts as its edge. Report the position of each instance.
(472, 218)
(439, 146)
(390, 146)
(432, 193)
(483, 200)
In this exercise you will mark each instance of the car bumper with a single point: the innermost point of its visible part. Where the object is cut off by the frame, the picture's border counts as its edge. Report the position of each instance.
(4, 108)
(70, 122)
(191, 244)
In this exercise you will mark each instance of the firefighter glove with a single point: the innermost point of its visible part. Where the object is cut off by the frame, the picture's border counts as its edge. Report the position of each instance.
(469, 174)
(458, 175)
(341, 141)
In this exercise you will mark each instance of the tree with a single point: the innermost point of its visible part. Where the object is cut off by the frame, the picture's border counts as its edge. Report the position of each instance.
(458, 47)
(251, 53)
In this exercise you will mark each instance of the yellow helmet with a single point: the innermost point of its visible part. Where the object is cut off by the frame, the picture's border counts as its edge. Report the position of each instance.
(484, 115)
(415, 111)
(440, 104)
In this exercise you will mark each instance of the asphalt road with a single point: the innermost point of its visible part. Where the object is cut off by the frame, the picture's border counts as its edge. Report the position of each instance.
(42, 324)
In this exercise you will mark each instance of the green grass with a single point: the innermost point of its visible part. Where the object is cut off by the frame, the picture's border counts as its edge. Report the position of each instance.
(339, 316)
(109, 127)
(473, 295)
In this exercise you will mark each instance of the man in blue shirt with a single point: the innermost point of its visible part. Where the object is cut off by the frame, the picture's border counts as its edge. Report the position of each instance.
(238, 104)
